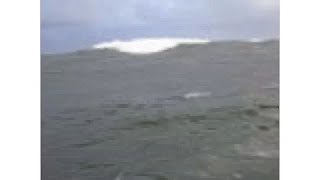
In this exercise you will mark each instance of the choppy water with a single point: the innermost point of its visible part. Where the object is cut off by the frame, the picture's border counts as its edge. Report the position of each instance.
(192, 112)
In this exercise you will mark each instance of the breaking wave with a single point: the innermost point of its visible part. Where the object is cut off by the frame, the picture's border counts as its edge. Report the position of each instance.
(196, 94)
(148, 45)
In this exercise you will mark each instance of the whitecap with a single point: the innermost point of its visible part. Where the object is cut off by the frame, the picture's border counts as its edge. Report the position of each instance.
(256, 40)
(196, 95)
(148, 45)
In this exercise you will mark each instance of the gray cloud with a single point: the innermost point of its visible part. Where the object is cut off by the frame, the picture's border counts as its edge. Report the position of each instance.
(145, 12)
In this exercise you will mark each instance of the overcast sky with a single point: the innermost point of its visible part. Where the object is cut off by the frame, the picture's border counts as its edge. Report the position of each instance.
(73, 24)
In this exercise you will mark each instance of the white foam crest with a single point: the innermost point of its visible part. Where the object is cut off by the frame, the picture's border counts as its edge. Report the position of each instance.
(148, 45)
(256, 40)
(196, 94)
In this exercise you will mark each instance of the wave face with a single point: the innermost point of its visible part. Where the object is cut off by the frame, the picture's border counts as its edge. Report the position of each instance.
(148, 45)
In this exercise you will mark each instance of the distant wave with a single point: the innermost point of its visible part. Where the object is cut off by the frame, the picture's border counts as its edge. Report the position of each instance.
(196, 94)
(256, 40)
(148, 45)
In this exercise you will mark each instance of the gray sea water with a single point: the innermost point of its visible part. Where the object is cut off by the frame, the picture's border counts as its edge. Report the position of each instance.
(192, 112)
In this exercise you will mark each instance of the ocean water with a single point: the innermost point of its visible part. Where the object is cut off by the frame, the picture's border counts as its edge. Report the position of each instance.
(195, 111)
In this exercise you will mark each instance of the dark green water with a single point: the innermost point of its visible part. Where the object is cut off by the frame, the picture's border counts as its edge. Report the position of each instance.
(193, 112)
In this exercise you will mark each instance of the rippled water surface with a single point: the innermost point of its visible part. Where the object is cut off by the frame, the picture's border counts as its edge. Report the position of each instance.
(193, 112)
